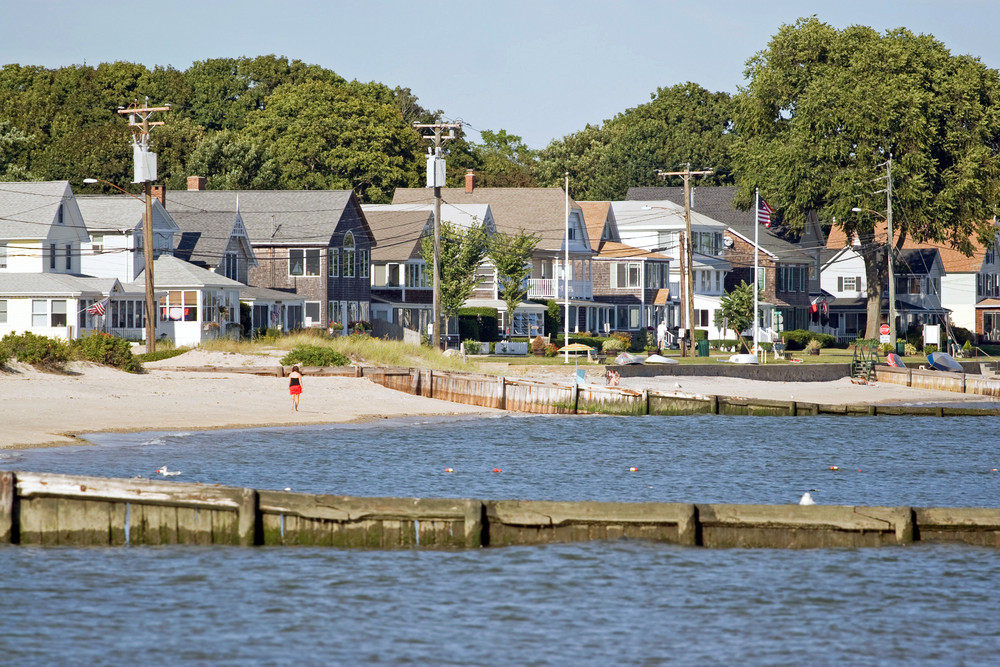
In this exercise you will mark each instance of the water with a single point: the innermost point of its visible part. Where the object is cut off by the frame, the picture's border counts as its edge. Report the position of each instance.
(621, 602)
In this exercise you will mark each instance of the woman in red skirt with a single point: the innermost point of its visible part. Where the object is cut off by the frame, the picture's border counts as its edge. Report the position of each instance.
(295, 386)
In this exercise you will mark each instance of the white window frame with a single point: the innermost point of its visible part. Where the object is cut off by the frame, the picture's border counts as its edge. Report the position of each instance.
(3, 311)
(304, 254)
(306, 314)
(349, 265)
(3, 255)
(333, 262)
(39, 313)
(57, 309)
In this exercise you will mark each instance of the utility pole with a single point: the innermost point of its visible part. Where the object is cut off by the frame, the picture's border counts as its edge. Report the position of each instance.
(689, 276)
(890, 246)
(144, 164)
(435, 179)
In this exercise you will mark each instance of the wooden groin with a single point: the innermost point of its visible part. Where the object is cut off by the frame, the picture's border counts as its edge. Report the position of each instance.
(538, 397)
(50, 509)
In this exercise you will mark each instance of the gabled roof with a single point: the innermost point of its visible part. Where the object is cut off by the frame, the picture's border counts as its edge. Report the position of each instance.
(397, 230)
(205, 236)
(172, 272)
(538, 210)
(597, 215)
(615, 250)
(278, 217)
(916, 261)
(28, 209)
(54, 285)
(716, 202)
(953, 261)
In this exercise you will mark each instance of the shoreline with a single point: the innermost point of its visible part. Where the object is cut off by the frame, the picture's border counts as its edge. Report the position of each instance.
(45, 410)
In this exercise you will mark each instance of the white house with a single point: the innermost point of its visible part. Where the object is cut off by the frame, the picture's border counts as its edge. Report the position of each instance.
(194, 303)
(41, 228)
(657, 226)
(114, 246)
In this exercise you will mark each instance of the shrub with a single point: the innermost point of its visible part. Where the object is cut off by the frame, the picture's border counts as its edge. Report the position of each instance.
(910, 350)
(613, 344)
(468, 328)
(798, 339)
(40, 351)
(537, 344)
(314, 355)
(105, 349)
(930, 348)
(470, 346)
(159, 354)
(551, 350)
(485, 319)
(699, 334)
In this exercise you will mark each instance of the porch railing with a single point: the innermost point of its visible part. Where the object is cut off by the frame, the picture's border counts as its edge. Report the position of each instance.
(554, 288)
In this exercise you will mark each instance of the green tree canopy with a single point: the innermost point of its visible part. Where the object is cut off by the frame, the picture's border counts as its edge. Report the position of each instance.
(824, 110)
(510, 255)
(462, 250)
(737, 307)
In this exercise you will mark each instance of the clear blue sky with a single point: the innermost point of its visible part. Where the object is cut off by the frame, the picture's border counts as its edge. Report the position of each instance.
(539, 69)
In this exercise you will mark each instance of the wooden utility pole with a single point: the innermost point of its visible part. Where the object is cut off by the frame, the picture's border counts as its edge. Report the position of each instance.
(435, 179)
(145, 173)
(688, 252)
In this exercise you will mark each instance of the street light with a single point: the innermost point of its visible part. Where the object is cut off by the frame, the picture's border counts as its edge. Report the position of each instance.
(147, 253)
(892, 278)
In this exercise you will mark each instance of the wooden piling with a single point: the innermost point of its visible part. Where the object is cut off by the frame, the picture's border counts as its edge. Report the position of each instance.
(8, 508)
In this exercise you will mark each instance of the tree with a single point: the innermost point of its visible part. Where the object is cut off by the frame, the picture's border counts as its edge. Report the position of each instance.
(505, 161)
(234, 162)
(462, 250)
(324, 136)
(737, 308)
(826, 108)
(510, 255)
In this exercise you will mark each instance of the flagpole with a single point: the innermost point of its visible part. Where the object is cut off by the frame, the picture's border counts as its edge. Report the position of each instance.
(756, 267)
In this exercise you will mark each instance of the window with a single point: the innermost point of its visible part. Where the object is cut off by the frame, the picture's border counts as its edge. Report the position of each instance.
(59, 215)
(701, 317)
(39, 313)
(656, 275)
(58, 313)
(349, 268)
(3, 255)
(312, 313)
(97, 243)
(363, 263)
(179, 306)
(3, 310)
(303, 262)
(417, 277)
(52, 255)
(848, 283)
(571, 233)
(232, 270)
(627, 275)
(333, 262)
(69, 257)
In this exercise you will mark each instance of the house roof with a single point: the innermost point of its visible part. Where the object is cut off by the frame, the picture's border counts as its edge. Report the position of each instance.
(116, 213)
(538, 210)
(953, 261)
(615, 250)
(251, 293)
(54, 285)
(397, 230)
(279, 217)
(916, 261)
(173, 272)
(716, 202)
(205, 236)
(28, 209)
(595, 216)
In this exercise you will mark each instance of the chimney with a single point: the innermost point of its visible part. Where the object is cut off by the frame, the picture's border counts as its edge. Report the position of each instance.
(470, 181)
(196, 182)
(160, 192)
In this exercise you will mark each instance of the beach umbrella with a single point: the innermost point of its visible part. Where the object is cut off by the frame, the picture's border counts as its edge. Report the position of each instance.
(574, 347)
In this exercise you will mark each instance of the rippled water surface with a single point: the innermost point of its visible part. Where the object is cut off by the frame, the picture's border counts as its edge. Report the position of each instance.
(608, 603)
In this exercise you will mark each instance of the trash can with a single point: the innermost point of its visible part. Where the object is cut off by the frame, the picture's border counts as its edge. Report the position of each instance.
(901, 348)
(703, 348)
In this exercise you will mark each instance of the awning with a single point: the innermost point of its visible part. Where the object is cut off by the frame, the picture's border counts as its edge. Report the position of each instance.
(662, 297)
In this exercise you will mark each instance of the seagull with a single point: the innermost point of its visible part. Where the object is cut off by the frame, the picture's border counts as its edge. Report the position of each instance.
(167, 473)
(807, 499)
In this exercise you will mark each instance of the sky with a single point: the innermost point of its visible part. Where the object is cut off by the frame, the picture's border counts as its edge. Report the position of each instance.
(540, 69)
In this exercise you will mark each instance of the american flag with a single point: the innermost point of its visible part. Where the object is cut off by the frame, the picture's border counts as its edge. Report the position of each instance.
(764, 214)
(98, 308)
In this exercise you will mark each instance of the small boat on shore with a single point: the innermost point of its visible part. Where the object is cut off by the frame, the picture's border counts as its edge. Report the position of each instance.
(942, 361)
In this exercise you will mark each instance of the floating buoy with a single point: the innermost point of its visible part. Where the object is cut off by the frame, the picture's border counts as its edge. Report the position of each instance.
(449, 470)
(834, 468)
(498, 470)
(633, 469)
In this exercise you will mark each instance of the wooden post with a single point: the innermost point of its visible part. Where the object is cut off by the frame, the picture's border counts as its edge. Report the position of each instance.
(576, 396)
(430, 383)
(502, 394)
(246, 522)
(8, 509)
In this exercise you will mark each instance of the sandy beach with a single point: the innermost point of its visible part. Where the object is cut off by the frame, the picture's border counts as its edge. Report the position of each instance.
(46, 409)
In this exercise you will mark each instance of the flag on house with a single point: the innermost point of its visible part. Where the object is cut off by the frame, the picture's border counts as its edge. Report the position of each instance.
(98, 308)
(764, 214)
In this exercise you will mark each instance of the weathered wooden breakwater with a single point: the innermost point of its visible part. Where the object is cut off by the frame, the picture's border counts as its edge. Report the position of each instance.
(561, 398)
(51, 509)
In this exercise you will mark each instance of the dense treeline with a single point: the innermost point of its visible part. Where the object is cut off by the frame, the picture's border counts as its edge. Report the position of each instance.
(270, 122)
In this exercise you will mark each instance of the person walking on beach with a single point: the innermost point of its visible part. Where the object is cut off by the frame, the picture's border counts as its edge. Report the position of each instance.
(295, 386)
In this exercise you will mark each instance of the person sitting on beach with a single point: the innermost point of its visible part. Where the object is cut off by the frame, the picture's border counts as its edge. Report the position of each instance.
(295, 386)
(613, 377)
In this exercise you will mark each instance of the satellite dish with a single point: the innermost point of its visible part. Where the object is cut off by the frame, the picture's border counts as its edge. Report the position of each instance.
(727, 241)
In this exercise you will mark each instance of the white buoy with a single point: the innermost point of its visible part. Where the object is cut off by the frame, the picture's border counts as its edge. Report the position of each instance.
(807, 499)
